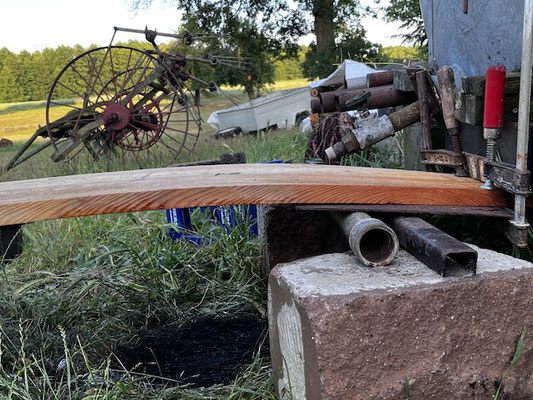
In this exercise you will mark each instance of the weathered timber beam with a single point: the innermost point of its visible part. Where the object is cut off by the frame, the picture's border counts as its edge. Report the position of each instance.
(153, 189)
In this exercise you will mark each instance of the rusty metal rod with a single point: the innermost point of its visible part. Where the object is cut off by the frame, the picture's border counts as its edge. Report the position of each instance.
(439, 251)
(143, 31)
(405, 116)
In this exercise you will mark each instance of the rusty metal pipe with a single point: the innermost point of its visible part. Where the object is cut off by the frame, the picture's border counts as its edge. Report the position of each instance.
(405, 117)
(327, 100)
(371, 240)
(439, 251)
(372, 130)
(380, 79)
(316, 105)
(380, 97)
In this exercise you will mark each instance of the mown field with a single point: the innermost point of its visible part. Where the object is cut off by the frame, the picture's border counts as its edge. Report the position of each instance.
(85, 289)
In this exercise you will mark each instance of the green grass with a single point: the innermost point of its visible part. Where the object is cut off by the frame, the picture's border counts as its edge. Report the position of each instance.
(84, 285)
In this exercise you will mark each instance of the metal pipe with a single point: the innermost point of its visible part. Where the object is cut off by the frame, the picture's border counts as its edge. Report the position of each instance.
(371, 240)
(380, 78)
(143, 31)
(522, 142)
(327, 100)
(372, 130)
(380, 97)
(316, 106)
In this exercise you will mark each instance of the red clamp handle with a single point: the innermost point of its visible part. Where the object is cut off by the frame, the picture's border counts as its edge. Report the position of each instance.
(494, 96)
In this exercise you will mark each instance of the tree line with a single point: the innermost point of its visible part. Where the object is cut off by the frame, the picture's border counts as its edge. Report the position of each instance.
(28, 76)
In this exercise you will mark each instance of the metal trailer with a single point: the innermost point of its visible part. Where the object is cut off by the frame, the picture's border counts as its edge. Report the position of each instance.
(285, 108)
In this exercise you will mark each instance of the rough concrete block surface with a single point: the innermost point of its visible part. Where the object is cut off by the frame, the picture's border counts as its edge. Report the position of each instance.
(340, 330)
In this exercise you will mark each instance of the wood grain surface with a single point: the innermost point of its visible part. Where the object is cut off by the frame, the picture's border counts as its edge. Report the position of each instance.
(153, 189)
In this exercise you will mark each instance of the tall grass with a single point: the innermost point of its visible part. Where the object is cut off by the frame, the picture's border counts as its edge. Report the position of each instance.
(82, 286)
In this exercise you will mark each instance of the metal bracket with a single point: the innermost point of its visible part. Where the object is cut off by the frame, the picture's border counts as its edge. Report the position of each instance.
(517, 234)
(507, 177)
(445, 158)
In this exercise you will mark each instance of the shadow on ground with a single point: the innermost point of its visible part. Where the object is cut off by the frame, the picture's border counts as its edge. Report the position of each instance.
(202, 353)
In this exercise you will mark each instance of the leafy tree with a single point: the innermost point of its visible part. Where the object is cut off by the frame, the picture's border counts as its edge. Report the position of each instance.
(10, 90)
(268, 30)
(400, 53)
(351, 44)
(408, 12)
(290, 68)
(259, 31)
(238, 38)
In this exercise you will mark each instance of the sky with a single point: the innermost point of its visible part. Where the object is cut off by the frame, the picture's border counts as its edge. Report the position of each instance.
(35, 24)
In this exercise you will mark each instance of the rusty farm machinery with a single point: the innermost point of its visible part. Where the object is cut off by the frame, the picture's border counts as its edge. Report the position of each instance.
(121, 104)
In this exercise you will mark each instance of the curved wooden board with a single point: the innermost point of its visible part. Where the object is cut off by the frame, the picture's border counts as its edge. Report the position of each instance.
(152, 189)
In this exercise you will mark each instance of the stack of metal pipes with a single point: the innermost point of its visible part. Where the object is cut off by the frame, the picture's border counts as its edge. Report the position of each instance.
(379, 86)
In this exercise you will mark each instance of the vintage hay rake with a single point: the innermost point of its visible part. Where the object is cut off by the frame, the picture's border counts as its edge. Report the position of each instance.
(124, 104)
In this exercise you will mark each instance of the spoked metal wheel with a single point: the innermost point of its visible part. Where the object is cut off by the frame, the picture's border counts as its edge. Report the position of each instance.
(127, 109)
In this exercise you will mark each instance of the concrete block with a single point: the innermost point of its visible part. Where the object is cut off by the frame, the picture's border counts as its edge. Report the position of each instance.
(339, 330)
(288, 234)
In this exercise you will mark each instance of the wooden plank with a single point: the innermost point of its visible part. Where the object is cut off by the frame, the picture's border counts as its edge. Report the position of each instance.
(153, 189)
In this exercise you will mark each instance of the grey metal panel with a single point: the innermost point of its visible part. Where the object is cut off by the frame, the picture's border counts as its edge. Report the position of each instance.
(490, 34)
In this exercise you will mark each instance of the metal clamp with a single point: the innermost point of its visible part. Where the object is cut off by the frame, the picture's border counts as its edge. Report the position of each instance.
(444, 158)
(517, 234)
(507, 177)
